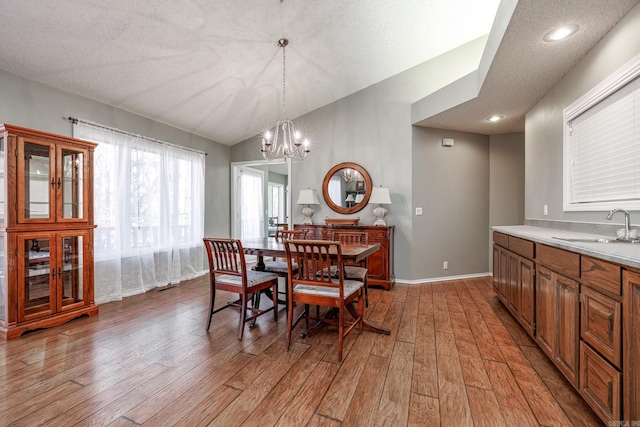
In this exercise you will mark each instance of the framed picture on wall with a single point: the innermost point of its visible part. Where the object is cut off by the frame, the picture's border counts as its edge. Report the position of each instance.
(359, 185)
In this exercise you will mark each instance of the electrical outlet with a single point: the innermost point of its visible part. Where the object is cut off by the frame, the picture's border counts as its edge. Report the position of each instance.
(545, 208)
(445, 265)
(418, 211)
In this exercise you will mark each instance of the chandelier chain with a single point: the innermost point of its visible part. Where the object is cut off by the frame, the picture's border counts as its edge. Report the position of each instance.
(284, 96)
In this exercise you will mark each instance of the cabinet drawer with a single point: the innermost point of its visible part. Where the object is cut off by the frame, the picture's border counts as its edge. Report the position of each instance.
(501, 239)
(601, 275)
(378, 235)
(601, 324)
(600, 384)
(567, 263)
(521, 247)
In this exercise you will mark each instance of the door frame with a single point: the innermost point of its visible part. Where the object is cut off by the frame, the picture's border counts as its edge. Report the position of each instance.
(235, 200)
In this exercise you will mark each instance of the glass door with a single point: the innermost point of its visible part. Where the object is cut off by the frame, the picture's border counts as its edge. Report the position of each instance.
(36, 182)
(36, 278)
(71, 183)
(71, 271)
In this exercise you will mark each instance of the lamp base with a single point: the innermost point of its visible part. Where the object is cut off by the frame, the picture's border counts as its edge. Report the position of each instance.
(380, 213)
(308, 212)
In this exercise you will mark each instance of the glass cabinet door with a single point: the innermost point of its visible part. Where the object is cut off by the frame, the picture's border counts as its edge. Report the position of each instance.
(72, 185)
(36, 182)
(36, 291)
(71, 273)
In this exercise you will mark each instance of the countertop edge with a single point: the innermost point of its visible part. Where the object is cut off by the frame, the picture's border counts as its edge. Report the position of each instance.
(625, 254)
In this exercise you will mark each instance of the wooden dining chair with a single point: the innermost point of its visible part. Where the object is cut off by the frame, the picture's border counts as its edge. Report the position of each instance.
(354, 270)
(308, 287)
(228, 272)
(280, 266)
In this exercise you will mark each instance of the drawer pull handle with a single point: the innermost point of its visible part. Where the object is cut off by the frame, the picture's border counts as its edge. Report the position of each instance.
(609, 394)
(611, 323)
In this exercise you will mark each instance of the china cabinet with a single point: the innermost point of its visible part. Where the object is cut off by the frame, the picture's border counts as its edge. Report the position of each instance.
(46, 230)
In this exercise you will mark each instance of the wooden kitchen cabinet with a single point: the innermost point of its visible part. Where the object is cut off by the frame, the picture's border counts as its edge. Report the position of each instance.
(558, 309)
(379, 264)
(631, 340)
(586, 319)
(513, 278)
(46, 230)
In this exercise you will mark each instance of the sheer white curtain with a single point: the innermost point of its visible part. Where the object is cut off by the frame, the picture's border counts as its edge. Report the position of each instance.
(335, 189)
(149, 209)
(251, 188)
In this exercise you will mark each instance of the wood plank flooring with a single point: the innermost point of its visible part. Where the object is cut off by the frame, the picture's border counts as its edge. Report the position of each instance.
(455, 357)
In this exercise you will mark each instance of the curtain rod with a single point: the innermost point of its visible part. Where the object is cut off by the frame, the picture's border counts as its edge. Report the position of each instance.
(75, 120)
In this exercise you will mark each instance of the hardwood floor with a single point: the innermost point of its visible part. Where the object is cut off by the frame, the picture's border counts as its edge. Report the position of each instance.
(455, 357)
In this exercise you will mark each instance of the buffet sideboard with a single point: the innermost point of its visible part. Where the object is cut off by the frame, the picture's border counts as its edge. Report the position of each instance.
(380, 264)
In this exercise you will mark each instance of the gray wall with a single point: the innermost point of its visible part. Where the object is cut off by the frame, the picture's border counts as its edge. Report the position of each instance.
(365, 128)
(543, 124)
(506, 193)
(451, 184)
(32, 105)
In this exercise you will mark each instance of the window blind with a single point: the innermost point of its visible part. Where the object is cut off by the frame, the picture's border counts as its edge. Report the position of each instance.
(604, 149)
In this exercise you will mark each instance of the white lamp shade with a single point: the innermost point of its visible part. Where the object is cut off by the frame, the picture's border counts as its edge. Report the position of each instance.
(350, 198)
(380, 195)
(359, 198)
(308, 197)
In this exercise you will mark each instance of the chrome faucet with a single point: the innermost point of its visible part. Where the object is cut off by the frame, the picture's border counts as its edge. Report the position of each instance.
(627, 222)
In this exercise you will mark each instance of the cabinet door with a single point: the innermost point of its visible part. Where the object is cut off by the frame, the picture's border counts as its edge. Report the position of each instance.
(514, 284)
(504, 275)
(568, 306)
(36, 278)
(601, 323)
(527, 293)
(71, 184)
(36, 181)
(546, 311)
(72, 271)
(631, 342)
(496, 269)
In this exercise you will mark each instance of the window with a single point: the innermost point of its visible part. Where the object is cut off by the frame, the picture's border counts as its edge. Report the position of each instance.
(149, 211)
(602, 144)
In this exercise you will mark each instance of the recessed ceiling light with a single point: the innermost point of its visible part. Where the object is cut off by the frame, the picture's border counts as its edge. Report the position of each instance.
(560, 33)
(495, 118)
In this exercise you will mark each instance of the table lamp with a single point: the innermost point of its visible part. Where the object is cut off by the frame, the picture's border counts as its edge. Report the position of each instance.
(380, 196)
(350, 200)
(307, 197)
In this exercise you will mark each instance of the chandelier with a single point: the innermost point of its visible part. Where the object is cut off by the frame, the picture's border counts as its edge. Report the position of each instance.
(351, 175)
(284, 141)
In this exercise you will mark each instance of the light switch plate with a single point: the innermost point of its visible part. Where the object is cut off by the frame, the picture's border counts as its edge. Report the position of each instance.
(418, 211)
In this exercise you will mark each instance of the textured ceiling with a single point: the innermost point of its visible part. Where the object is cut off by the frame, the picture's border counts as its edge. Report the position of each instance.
(213, 68)
(525, 67)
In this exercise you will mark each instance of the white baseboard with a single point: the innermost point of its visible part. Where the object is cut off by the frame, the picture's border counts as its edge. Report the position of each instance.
(442, 279)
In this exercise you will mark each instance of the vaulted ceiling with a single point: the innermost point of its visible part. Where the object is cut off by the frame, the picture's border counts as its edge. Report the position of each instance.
(213, 68)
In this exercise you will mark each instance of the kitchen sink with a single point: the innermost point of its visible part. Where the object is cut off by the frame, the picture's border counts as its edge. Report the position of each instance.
(595, 240)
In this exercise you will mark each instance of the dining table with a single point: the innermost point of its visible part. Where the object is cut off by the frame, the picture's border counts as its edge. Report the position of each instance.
(352, 252)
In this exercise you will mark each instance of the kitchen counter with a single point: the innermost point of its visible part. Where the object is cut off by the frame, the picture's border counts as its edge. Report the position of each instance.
(627, 254)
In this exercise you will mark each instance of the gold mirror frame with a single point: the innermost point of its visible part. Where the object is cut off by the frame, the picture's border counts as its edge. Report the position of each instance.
(339, 169)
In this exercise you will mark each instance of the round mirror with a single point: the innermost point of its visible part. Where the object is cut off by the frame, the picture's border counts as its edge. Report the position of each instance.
(346, 188)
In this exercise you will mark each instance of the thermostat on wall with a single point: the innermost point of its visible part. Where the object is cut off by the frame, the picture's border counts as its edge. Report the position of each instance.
(447, 142)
